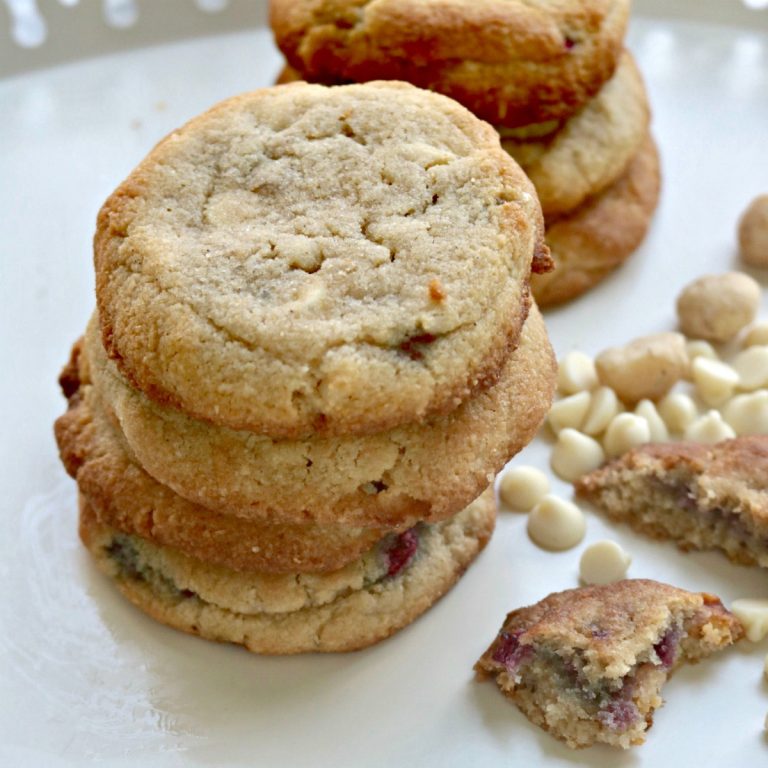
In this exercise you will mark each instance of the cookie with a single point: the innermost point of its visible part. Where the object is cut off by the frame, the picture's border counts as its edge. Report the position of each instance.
(425, 471)
(123, 496)
(592, 149)
(304, 259)
(699, 496)
(512, 63)
(588, 244)
(293, 614)
(588, 664)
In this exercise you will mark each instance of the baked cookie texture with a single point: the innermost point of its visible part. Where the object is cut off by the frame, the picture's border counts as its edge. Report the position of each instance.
(512, 63)
(123, 496)
(342, 611)
(699, 496)
(592, 149)
(302, 260)
(423, 471)
(592, 241)
(587, 665)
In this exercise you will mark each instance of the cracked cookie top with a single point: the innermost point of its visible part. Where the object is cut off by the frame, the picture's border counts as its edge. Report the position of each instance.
(512, 62)
(307, 259)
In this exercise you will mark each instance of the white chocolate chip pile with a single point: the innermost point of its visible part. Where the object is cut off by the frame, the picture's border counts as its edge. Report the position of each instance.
(603, 562)
(666, 386)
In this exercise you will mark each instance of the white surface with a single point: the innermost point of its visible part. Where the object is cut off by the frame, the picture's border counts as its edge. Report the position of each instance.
(86, 679)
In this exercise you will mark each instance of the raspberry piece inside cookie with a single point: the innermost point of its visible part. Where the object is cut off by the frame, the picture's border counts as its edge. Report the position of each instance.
(588, 664)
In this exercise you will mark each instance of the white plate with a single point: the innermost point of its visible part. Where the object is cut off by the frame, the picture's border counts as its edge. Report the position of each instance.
(86, 678)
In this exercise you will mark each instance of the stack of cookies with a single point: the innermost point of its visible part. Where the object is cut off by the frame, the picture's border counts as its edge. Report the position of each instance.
(314, 347)
(553, 78)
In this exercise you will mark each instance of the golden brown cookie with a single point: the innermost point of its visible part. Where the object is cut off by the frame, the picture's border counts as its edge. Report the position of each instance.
(123, 496)
(589, 243)
(304, 259)
(342, 611)
(425, 471)
(512, 62)
(592, 149)
(699, 496)
(588, 664)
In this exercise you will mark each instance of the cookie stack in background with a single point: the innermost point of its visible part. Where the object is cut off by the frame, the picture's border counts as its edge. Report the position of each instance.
(313, 350)
(553, 78)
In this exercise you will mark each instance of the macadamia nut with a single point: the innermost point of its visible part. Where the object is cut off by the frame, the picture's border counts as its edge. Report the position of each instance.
(556, 524)
(568, 412)
(753, 614)
(575, 454)
(576, 372)
(752, 367)
(645, 368)
(748, 414)
(753, 233)
(522, 488)
(717, 307)
(603, 406)
(678, 411)
(603, 562)
(659, 431)
(709, 429)
(625, 432)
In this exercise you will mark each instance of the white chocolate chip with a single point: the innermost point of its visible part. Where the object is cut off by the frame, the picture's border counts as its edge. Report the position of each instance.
(625, 432)
(700, 348)
(753, 614)
(753, 232)
(659, 431)
(709, 429)
(575, 454)
(569, 412)
(603, 406)
(715, 381)
(575, 373)
(717, 307)
(752, 367)
(645, 368)
(748, 414)
(678, 411)
(556, 524)
(603, 562)
(521, 488)
(756, 334)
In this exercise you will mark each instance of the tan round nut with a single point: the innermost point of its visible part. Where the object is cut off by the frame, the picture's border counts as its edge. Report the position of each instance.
(625, 432)
(678, 411)
(715, 381)
(556, 524)
(748, 414)
(656, 425)
(568, 411)
(603, 563)
(717, 307)
(603, 406)
(645, 368)
(751, 365)
(709, 429)
(576, 372)
(753, 614)
(522, 488)
(575, 454)
(753, 233)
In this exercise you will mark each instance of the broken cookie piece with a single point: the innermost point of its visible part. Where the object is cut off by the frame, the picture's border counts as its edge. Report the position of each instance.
(700, 496)
(588, 664)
